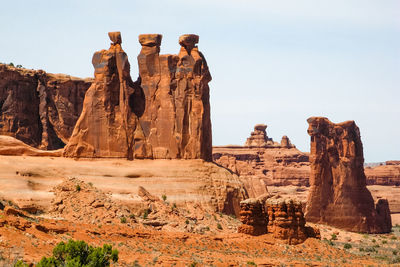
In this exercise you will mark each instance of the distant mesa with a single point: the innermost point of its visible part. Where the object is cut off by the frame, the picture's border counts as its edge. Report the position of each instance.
(338, 195)
(262, 162)
(259, 138)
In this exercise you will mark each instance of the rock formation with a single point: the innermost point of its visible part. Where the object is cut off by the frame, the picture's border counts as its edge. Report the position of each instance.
(176, 121)
(286, 221)
(263, 162)
(107, 125)
(39, 108)
(165, 114)
(253, 217)
(338, 195)
(283, 218)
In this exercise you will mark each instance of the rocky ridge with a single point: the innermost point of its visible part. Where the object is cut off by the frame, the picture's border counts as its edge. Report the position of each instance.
(39, 108)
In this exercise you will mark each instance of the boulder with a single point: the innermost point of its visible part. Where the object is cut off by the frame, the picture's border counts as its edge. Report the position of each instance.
(286, 221)
(253, 217)
(283, 218)
(338, 195)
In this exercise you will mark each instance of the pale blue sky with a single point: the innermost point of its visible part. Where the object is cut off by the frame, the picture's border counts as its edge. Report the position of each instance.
(275, 62)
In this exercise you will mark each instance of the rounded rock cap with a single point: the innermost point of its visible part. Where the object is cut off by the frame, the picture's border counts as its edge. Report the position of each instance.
(260, 127)
(188, 39)
(153, 39)
(115, 37)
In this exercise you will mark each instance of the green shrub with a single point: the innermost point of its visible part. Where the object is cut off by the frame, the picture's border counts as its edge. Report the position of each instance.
(187, 221)
(78, 187)
(333, 237)
(251, 263)
(20, 263)
(11, 64)
(79, 253)
(145, 214)
(219, 226)
(164, 197)
(347, 246)
(123, 220)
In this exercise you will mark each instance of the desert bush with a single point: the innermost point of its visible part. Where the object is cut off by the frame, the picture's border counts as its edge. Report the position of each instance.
(78, 187)
(347, 246)
(164, 197)
(20, 263)
(219, 226)
(145, 214)
(79, 253)
(123, 220)
(333, 237)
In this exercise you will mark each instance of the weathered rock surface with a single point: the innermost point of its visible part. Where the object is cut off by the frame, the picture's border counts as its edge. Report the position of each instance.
(176, 120)
(39, 108)
(253, 217)
(107, 124)
(10, 146)
(286, 221)
(283, 218)
(338, 195)
(164, 115)
(263, 162)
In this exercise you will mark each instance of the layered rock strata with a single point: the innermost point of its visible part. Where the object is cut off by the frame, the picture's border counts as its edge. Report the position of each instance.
(163, 115)
(39, 108)
(385, 174)
(338, 195)
(283, 218)
(262, 162)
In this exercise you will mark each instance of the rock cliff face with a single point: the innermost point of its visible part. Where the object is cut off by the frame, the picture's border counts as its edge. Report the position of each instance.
(261, 162)
(338, 195)
(164, 115)
(39, 108)
(283, 218)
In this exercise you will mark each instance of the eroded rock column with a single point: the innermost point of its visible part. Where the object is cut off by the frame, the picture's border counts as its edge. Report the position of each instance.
(338, 195)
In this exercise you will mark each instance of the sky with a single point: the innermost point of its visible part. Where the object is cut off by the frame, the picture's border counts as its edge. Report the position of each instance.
(273, 62)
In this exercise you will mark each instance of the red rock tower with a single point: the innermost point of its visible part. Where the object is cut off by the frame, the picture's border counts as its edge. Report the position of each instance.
(164, 115)
(338, 195)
